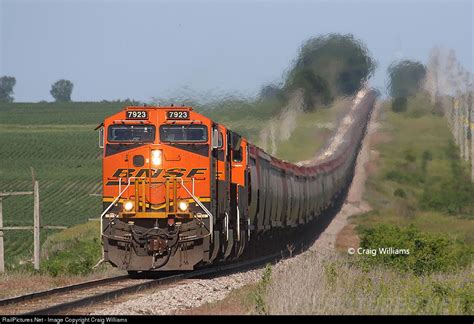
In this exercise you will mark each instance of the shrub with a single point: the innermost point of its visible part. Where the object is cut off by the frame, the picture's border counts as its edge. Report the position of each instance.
(399, 192)
(428, 252)
(76, 261)
(405, 176)
(410, 156)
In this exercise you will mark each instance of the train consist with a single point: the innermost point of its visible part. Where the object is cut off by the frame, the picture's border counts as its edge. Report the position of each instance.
(181, 191)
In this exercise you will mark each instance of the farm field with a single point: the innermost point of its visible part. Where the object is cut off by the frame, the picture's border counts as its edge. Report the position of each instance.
(59, 142)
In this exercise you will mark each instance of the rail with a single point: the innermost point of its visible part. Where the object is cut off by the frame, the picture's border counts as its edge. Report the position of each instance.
(56, 301)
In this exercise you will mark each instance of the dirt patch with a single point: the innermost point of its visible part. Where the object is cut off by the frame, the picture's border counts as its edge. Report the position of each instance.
(10, 287)
(379, 138)
(19, 283)
(371, 165)
(347, 238)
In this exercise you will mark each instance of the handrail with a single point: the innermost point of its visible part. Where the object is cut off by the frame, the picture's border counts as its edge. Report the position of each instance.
(196, 199)
(226, 226)
(211, 217)
(238, 221)
(111, 204)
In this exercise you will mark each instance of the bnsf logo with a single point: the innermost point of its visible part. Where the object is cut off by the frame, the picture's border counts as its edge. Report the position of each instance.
(154, 173)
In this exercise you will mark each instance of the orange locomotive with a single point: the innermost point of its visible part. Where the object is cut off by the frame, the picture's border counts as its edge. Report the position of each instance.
(181, 191)
(167, 173)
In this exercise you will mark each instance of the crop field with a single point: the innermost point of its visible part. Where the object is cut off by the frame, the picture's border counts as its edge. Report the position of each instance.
(59, 142)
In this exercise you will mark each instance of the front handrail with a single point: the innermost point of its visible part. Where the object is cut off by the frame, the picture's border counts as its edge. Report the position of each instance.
(114, 202)
(121, 192)
(196, 199)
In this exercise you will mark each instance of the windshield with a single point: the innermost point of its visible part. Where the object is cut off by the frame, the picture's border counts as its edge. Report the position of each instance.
(131, 133)
(183, 133)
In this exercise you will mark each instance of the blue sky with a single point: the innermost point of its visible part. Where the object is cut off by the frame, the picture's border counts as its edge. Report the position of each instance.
(144, 49)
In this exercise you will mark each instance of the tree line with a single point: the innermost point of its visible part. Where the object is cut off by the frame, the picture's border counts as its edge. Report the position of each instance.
(61, 90)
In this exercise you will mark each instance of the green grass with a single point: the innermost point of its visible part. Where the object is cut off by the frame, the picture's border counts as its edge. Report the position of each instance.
(73, 251)
(243, 116)
(419, 179)
(313, 132)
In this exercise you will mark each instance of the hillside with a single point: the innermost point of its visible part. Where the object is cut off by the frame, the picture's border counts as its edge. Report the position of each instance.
(416, 175)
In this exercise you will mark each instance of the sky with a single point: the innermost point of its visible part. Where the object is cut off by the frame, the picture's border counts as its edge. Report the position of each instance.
(145, 49)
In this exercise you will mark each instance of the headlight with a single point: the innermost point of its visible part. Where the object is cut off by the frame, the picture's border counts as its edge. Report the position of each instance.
(128, 205)
(183, 206)
(156, 157)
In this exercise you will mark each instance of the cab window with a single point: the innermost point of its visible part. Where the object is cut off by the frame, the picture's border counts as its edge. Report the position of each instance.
(131, 133)
(237, 155)
(183, 133)
(220, 141)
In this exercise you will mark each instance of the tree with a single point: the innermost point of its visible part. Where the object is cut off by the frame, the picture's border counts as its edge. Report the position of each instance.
(6, 88)
(405, 78)
(400, 104)
(61, 90)
(330, 65)
(270, 92)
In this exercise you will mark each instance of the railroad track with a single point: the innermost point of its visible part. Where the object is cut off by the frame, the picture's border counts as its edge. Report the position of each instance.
(67, 298)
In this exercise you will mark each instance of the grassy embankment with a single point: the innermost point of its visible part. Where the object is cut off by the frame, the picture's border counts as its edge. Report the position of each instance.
(59, 141)
(422, 200)
(418, 177)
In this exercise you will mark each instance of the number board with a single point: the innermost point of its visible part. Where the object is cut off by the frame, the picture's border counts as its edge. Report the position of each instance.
(137, 114)
(176, 114)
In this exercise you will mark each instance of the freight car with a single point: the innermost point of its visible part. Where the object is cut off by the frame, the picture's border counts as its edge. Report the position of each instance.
(181, 191)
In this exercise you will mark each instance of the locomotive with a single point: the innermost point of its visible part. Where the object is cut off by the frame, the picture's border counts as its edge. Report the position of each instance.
(182, 191)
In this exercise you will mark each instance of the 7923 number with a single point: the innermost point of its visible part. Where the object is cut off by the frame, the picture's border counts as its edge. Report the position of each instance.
(177, 114)
(137, 114)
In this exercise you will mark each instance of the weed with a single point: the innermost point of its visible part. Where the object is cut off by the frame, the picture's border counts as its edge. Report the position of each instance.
(260, 291)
